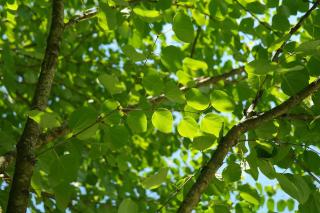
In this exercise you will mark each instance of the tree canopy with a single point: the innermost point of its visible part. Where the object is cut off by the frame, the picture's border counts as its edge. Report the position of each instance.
(135, 106)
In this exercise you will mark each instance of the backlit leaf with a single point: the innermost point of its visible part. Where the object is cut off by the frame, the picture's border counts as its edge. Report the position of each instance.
(155, 180)
(162, 120)
(222, 101)
(196, 99)
(211, 124)
(188, 127)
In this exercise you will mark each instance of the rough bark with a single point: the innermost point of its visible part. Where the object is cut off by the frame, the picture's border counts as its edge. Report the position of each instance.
(230, 139)
(25, 161)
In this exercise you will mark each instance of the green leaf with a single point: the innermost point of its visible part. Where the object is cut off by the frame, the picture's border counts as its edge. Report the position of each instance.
(131, 52)
(270, 204)
(88, 133)
(137, 121)
(117, 137)
(280, 22)
(45, 119)
(268, 130)
(188, 127)
(295, 186)
(309, 48)
(266, 168)
(313, 66)
(312, 160)
(13, 5)
(162, 120)
(293, 82)
(156, 180)
(183, 27)
(173, 93)
(30, 77)
(184, 78)
(261, 67)
(171, 58)
(246, 25)
(64, 169)
(147, 15)
(221, 101)
(197, 100)
(249, 194)
(312, 205)
(264, 149)
(9, 144)
(232, 172)
(153, 83)
(281, 205)
(112, 84)
(63, 193)
(82, 118)
(256, 7)
(203, 142)
(128, 206)
(194, 64)
(211, 123)
(291, 69)
(107, 17)
(218, 8)
(221, 208)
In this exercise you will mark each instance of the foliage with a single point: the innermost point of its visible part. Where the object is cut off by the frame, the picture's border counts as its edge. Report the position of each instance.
(144, 93)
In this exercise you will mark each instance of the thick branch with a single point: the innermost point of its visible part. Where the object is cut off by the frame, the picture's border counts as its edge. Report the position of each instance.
(19, 192)
(228, 141)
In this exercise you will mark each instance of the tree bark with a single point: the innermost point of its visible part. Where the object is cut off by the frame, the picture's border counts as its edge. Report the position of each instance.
(228, 141)
(25, 161)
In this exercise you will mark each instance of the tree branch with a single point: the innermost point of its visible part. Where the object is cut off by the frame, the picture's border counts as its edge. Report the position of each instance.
(275, 58)
(265, 24)
(83, 16)
(9, 157)
(204, 81)
(231, 139)
(19, 192)
(294, 30)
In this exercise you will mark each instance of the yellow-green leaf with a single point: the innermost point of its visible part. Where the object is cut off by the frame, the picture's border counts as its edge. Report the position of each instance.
(162, 120)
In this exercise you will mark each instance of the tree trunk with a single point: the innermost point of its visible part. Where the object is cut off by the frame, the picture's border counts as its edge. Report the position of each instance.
(25, 161)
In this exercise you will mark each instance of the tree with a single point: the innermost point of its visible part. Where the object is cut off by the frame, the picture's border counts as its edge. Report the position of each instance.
(145, 106)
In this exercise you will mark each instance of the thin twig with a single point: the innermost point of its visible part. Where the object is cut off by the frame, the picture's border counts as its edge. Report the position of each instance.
(152, 48)
(275, 58)
(90, 13)
(193, 48)
(303, 167)
(250, 110)
(293, 30)
(173, 194)
(99, 119)
(281, 143)
(266, 25)
(200, 82)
